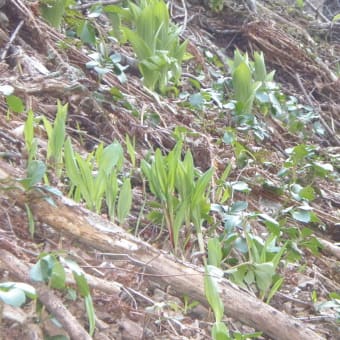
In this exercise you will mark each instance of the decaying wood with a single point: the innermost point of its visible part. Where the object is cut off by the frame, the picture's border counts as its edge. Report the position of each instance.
(96, 232)
(52, 303)
(330, 248)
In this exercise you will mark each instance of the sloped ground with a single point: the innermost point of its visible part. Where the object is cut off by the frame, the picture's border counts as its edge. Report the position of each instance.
(42, 70)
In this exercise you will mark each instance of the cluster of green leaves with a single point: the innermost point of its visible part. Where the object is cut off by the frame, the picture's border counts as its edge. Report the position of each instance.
(219, 330)
(253, 85)
(58, 12)
(155, 40)
(103, 62)
(247, 78)
(54, 10)
(257, 257)
(146, 25)
(56, 134)
(333, 303)
(16, 293)
(216, 5)
(50, 269)
(182, 193)
(95, 179)
(261, 257)
(251, 94)
(303, 166)
(36, 168)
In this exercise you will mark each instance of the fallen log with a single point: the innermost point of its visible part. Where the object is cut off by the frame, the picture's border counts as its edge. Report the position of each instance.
(93, 231)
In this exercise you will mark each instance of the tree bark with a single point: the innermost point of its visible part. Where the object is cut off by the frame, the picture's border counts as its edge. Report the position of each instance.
(95, 232)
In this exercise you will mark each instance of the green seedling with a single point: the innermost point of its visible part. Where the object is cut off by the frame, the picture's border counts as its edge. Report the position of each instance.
(182, 193)
(219, 329)
(30, 142)
(304, 166)
(260, 269)
(102, 62)
(155, 40)
(56, 133)
(16, 293)
(95, 179)
(50, 269)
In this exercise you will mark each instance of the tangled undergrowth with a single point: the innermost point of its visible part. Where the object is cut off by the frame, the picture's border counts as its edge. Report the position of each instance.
(230, 170)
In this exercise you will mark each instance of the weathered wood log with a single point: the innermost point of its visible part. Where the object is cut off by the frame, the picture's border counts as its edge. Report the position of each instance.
(161, 268)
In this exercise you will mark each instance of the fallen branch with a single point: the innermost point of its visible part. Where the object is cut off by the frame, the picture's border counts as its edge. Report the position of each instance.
(160, 268)
(330, 248)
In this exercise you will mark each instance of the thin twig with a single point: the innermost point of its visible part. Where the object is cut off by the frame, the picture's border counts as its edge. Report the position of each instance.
(324, 123)
(317, 11)
(90, 4)
(11, 40)
(185, 20)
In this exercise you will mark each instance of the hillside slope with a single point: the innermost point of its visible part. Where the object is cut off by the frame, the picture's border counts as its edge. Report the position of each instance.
(275, 174)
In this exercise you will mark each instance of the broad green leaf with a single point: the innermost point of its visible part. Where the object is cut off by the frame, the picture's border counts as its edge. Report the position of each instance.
(35, 172)
(15, 104)
(90, 314)
(57, 135)
(58, 276)
(111, 192)
(112, 155)
(178, 223)
(302, 215)
(201, 186)
(70, 163)
(240, 186)
(13, 296)
(197, 100)
(307, 193)
(254, 254)
(30, 217)
(276, 286)
(14, 293)
(229, 137)
(214, 252)
(73, 266)
(53, 11)
(28, 289)
(212, 294)
(41, 271)
(322, 169)
(336, 18)
(298, 153)
(244, 88)
(29, 130)
(264, 273)
(249, 278)
(231, 222)
(220, 331)
(82, 284)
(238, 206)
(260, 72)
(124, 201)
(238, 274)
(86, 33)
(36, 273)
